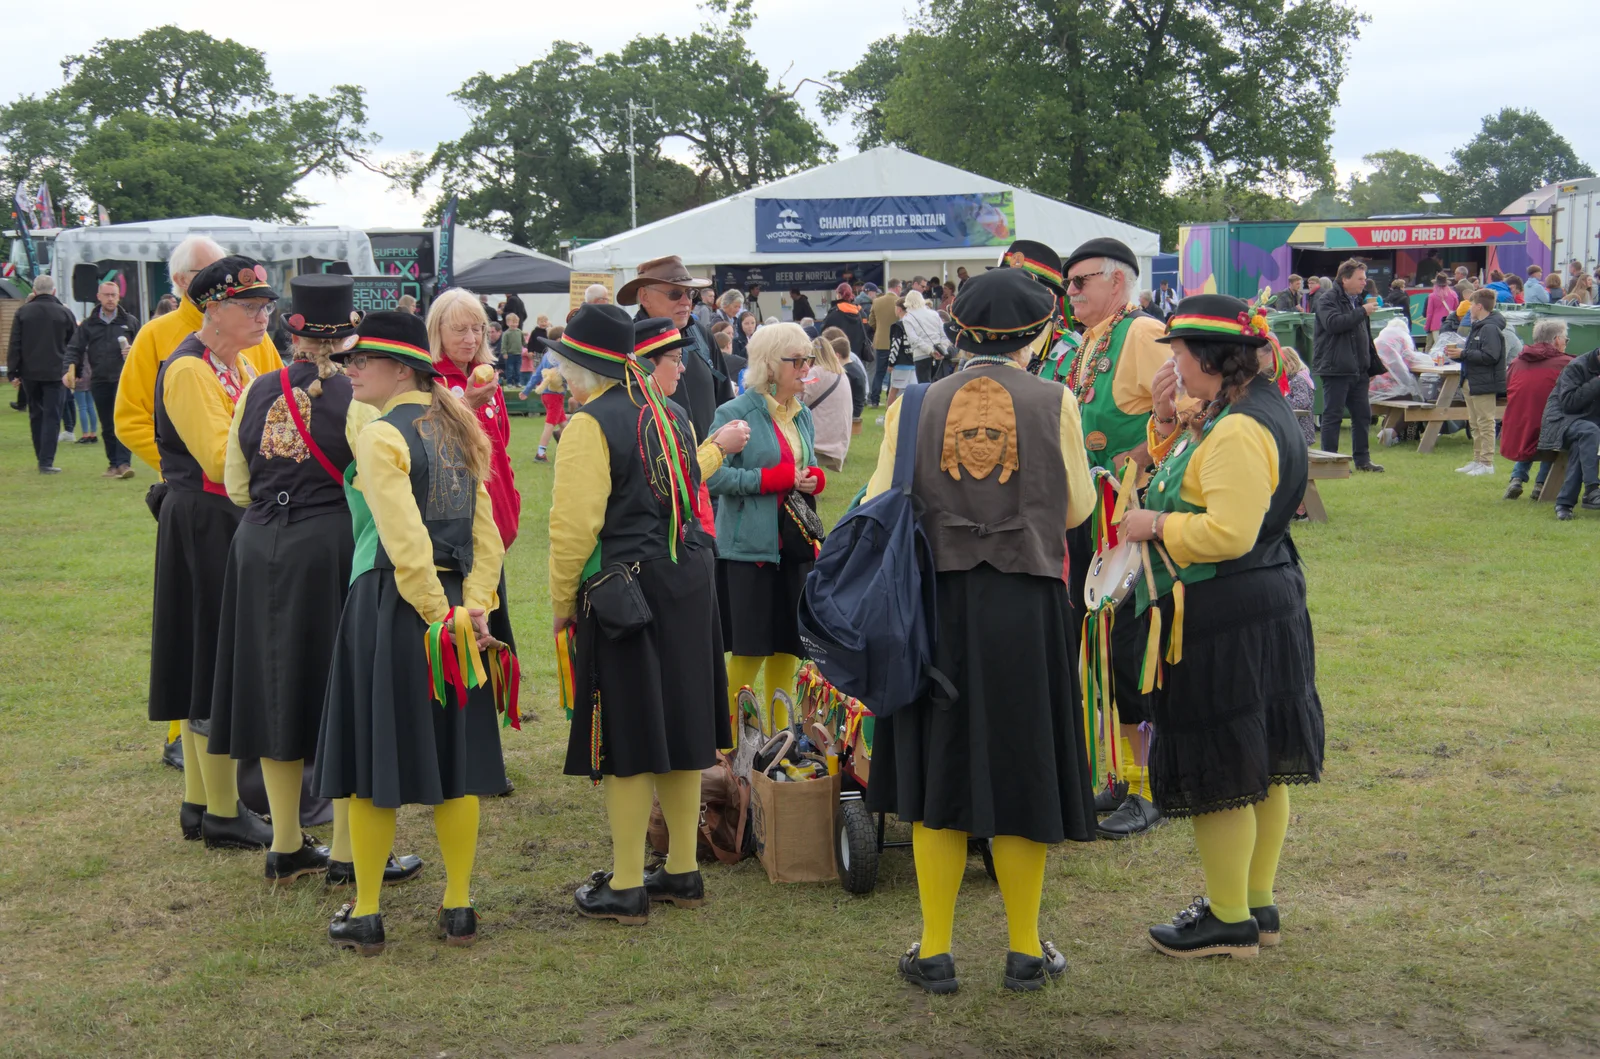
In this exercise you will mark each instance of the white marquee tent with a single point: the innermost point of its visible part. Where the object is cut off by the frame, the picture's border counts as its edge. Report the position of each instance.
(723, 232)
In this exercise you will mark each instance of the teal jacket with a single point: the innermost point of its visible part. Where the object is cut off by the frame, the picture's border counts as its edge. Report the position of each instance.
(747, 518)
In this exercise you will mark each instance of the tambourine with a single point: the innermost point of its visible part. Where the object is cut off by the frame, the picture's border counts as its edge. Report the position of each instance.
(1112, 575)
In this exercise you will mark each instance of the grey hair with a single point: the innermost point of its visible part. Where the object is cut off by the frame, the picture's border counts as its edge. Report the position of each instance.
(595, 292)
(1548, 329)
(766, 350)
(45, 284)
(1130, 278)
(729, 298)
(183, 255)
(915, 301)
(579, 378)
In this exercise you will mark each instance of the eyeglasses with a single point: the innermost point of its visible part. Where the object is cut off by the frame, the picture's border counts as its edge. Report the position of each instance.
(260, 312)
(358, 362)
(799, 362)
(1081, 281)
(675, 294)
(466, 329)
(676, 358)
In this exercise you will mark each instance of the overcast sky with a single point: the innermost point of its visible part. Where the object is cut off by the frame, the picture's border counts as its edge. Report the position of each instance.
(1421, 77)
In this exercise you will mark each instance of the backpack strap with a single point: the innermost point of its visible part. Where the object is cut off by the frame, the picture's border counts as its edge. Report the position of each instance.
(905, 446)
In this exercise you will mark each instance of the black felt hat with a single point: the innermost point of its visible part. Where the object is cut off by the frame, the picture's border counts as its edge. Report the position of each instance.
(323, 306)
(656, 336)
(398, 336)
(1105, 246)
(1036, 259)
(1215, 318)
(232, 277)
(598, 337)
(1000, 311)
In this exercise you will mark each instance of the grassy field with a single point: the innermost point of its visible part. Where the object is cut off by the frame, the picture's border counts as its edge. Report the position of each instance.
(1441, 888)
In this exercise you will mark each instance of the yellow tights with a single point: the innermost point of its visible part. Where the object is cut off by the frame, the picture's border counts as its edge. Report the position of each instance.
(282, 780)
(340, 850)
(743, 671)
(941, 858)
(1239, 851)
(1135, 771)
(628, 800)
(455, 822)
(174, 731)
(211, 780)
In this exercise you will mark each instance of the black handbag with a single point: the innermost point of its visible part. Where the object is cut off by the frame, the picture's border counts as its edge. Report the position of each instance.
(800, 531)
(154, 497)
(614, 597)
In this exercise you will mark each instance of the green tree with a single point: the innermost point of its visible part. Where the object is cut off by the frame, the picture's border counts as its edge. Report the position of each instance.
(1515, 152)
(1396, 184)
(176, 122)
(1212, 197)
(1101, 102)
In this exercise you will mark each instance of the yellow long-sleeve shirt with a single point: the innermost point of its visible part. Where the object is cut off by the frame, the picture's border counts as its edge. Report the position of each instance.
(201, 411)
(1080, 497)
(578, 501)
(236, 471)
(135, 414)
(1233, 475)
(383, 474)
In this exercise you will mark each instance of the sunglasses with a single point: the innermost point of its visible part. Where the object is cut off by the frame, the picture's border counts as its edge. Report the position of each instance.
(1081, 281)
(799, 362)
(676, 294)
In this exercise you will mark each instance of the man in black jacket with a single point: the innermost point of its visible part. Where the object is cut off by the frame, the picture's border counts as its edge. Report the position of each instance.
(1571, 421)
(1340, 356)
(37, 361)
(663, 287)
(100, 346)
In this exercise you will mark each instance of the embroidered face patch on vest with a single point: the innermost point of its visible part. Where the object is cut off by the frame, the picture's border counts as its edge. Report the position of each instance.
(980, 432)
(450, 484)
(279, 438)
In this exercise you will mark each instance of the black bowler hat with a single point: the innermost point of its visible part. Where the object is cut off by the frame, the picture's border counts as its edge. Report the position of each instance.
(232, 277)
(1115, 249)
(324, 306)
(656, 336)
(1036, 259)
(1215, 318)
(398, 336)
(598, 337)
(1000, 311)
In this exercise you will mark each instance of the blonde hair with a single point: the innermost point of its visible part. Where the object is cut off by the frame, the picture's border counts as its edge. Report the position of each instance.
(457, 305)
(827, 360)
(318, 351)
(459, 430)
(406, 304)
(576, 375)
(913, 301)
(513, 320)
(1292, 364)
(766, 350)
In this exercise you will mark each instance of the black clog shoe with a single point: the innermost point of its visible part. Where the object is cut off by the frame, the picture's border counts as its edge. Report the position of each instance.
(1110, 798)
(1196, 932)
(597, 900)
(245, 831)
(364, 934)
(936, 974)
(458, 926)
(686, 889)
(398, 870)
(189, 817)
(172, 755)
(1136, 815)
(1024, 973)
(284, 868)
(1267, 925)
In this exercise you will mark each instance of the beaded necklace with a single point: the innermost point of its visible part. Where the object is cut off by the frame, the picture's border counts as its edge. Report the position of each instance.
(989, 358)
(1090, 362)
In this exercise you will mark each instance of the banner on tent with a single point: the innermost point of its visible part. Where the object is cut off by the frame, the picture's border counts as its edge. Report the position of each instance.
(378, 294)
(889, 222)
(808, 276)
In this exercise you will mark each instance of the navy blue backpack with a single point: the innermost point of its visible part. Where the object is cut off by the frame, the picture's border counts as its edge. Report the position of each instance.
(868, 614)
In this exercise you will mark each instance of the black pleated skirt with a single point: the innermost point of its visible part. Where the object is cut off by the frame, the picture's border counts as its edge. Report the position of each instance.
(760, 604)
(1240, 711)
(663, 690)
(193, 533)
(383, 737)
(1007, 756)
(281, 603)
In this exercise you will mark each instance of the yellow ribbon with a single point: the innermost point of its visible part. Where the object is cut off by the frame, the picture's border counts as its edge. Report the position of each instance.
(467, 653)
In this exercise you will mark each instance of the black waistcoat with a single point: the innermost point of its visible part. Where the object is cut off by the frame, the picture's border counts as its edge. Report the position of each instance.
(446, 493)
(286, 480)
(1274, 547)
(638, 525)
(179, 468)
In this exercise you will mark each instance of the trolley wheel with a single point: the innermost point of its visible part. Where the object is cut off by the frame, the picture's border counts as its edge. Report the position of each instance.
(986, 851)
(856, 840)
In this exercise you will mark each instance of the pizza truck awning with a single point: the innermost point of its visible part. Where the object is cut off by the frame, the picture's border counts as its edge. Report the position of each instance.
(1409, 233)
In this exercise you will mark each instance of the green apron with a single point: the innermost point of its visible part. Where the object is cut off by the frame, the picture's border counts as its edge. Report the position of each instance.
(1166, 485)
(1108, 431)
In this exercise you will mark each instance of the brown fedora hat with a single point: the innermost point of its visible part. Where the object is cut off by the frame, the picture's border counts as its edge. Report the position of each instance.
(659, 270)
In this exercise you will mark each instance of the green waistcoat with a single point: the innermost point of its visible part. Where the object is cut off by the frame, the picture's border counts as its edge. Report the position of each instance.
(1104, 424)
(1164, 494)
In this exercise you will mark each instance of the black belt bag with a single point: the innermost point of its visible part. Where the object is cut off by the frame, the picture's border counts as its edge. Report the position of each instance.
(617, 601)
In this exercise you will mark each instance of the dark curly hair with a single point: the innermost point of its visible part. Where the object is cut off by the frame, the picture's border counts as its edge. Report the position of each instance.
(1236, 362)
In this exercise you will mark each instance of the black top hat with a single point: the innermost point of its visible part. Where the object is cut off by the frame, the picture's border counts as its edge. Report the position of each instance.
(324, 306)
(1036, 259)
(598, 337)
(1105, 246)
(1000, 311)
(656, 336)
(231, 277)
(1214, 318)
(398, 336)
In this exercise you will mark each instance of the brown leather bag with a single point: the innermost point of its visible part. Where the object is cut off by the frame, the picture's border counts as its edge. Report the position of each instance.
(724, 817)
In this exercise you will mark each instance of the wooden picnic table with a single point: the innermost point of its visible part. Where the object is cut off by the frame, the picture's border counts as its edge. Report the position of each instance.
(1323, 464)
(1437, 414)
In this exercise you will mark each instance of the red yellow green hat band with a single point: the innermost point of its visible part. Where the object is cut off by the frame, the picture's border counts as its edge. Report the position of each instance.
(402, 351)
(1039, 268)
(1221, 325)
(668, 337)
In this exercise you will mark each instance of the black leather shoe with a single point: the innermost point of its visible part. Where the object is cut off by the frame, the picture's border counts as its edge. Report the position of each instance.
(284, 868)
(597, 900)
(686, 889)
(49, 470)
(1024, 974)
(1513, 490)
(936, 974)
(1591, 499)
(364, 934)
(1266, 918)
(245, 831)
(1373, 468)
(1195, 932)
(1111, 797)
(1136, 815)
(189, 817)
(1563, 514)
(398, 870)
(458, 926)
(172, 755)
